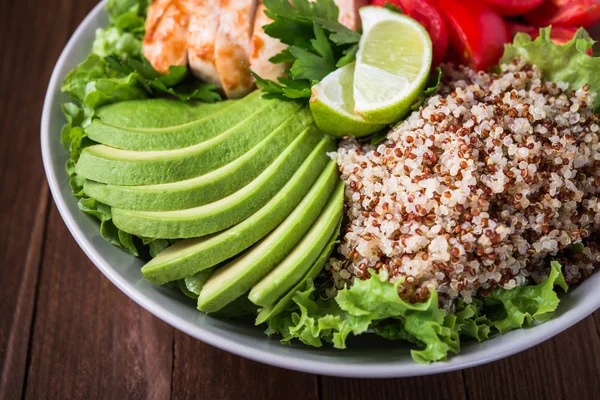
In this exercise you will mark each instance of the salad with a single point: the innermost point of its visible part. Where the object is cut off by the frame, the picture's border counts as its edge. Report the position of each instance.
(425, 171)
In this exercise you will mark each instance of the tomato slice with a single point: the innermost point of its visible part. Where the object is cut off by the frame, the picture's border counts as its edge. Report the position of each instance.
(476, 31)
(558, 34)
(565, 12)
(513, 7)
(427, 15)
(516, 27)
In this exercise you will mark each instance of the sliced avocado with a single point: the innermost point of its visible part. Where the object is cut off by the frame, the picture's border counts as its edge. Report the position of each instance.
(126, 167)
(293, 267)
(206, 188)
(188, 257)
(236, 277)
(240, 307)
(223, 213)
(150, 113)
(266, 313)
(181, 135)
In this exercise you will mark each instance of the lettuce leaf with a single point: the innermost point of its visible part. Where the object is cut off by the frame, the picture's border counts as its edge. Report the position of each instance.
(112, 40)
(567, 63)
(356, 309)
(524, 305)
(374, 305)
(118, 8)
(108, 230)
(470, 321)
(93, 84)
(184, 289)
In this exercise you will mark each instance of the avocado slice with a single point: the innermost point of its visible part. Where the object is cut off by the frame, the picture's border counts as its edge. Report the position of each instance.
(150, 113)
(223, 213)
(213, 122)
(187, 257)
(289, 271)
(206, 188)
(266, 313)
(106, 164)
(238, 276)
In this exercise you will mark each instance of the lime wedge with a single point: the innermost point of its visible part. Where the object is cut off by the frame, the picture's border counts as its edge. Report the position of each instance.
(332, 106)
(392, 65)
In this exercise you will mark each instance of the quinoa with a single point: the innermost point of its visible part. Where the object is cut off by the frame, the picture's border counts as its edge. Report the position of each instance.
(492, 177)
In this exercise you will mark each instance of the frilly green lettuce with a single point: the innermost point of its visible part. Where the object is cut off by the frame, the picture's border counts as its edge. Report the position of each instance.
(108, 230)
(567, 63)
(524, 305)
(114, 41)
(374, 304)
(356, 309)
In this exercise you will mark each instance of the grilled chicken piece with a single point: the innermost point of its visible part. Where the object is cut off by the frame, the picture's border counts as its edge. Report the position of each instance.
(202, 34)
(165, 42)
(233, 46)
(155, 12)
(349, 12)
(263, 47)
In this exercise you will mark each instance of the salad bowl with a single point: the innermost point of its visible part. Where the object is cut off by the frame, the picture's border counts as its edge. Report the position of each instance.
(365, 357)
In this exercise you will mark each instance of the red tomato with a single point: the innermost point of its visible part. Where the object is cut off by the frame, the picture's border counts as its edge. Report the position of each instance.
(516, 27)
(558, 34)
(476, 31)
(513, 7)
(427, 15)
(565, 12)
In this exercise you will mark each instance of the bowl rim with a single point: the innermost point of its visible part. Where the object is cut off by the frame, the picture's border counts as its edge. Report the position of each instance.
(535, 335)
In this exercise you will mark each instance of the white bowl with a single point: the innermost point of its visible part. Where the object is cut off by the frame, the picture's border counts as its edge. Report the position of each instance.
(366, 356)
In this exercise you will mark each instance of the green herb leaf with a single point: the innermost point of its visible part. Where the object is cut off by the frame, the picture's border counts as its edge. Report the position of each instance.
(348, 57)
(287, 89)
(433, 83)
(318, 44)
(393, 7)
(339, 34)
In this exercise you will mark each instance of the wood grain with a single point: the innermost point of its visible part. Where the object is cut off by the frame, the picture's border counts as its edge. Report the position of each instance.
(67, 333)
(565, 367)
(596, 317)
(204, 372)
(448, 386)
(89, 340)
(15, 338)
(24, 72)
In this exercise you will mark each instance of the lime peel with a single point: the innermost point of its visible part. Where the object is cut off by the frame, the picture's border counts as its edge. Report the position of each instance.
(392, 65)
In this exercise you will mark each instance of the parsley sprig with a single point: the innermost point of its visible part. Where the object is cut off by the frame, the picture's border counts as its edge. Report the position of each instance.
(317, 45)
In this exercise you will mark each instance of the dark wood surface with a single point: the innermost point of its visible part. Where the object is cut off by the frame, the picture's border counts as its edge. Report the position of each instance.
(68, 333)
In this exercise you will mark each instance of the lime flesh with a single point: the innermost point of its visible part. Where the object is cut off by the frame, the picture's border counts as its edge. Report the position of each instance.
(392, 65)
(332, 106)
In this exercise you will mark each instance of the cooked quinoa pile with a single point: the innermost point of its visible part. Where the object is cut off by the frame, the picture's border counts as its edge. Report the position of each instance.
(493, 177)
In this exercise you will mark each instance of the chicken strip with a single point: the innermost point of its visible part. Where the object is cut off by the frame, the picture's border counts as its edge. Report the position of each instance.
(263, 47)
(349, 12)
(155, 12)
(233, 46)
(165, 41)
(202, 34)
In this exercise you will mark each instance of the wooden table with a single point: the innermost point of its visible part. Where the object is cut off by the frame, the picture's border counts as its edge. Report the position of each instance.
(67, 333)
